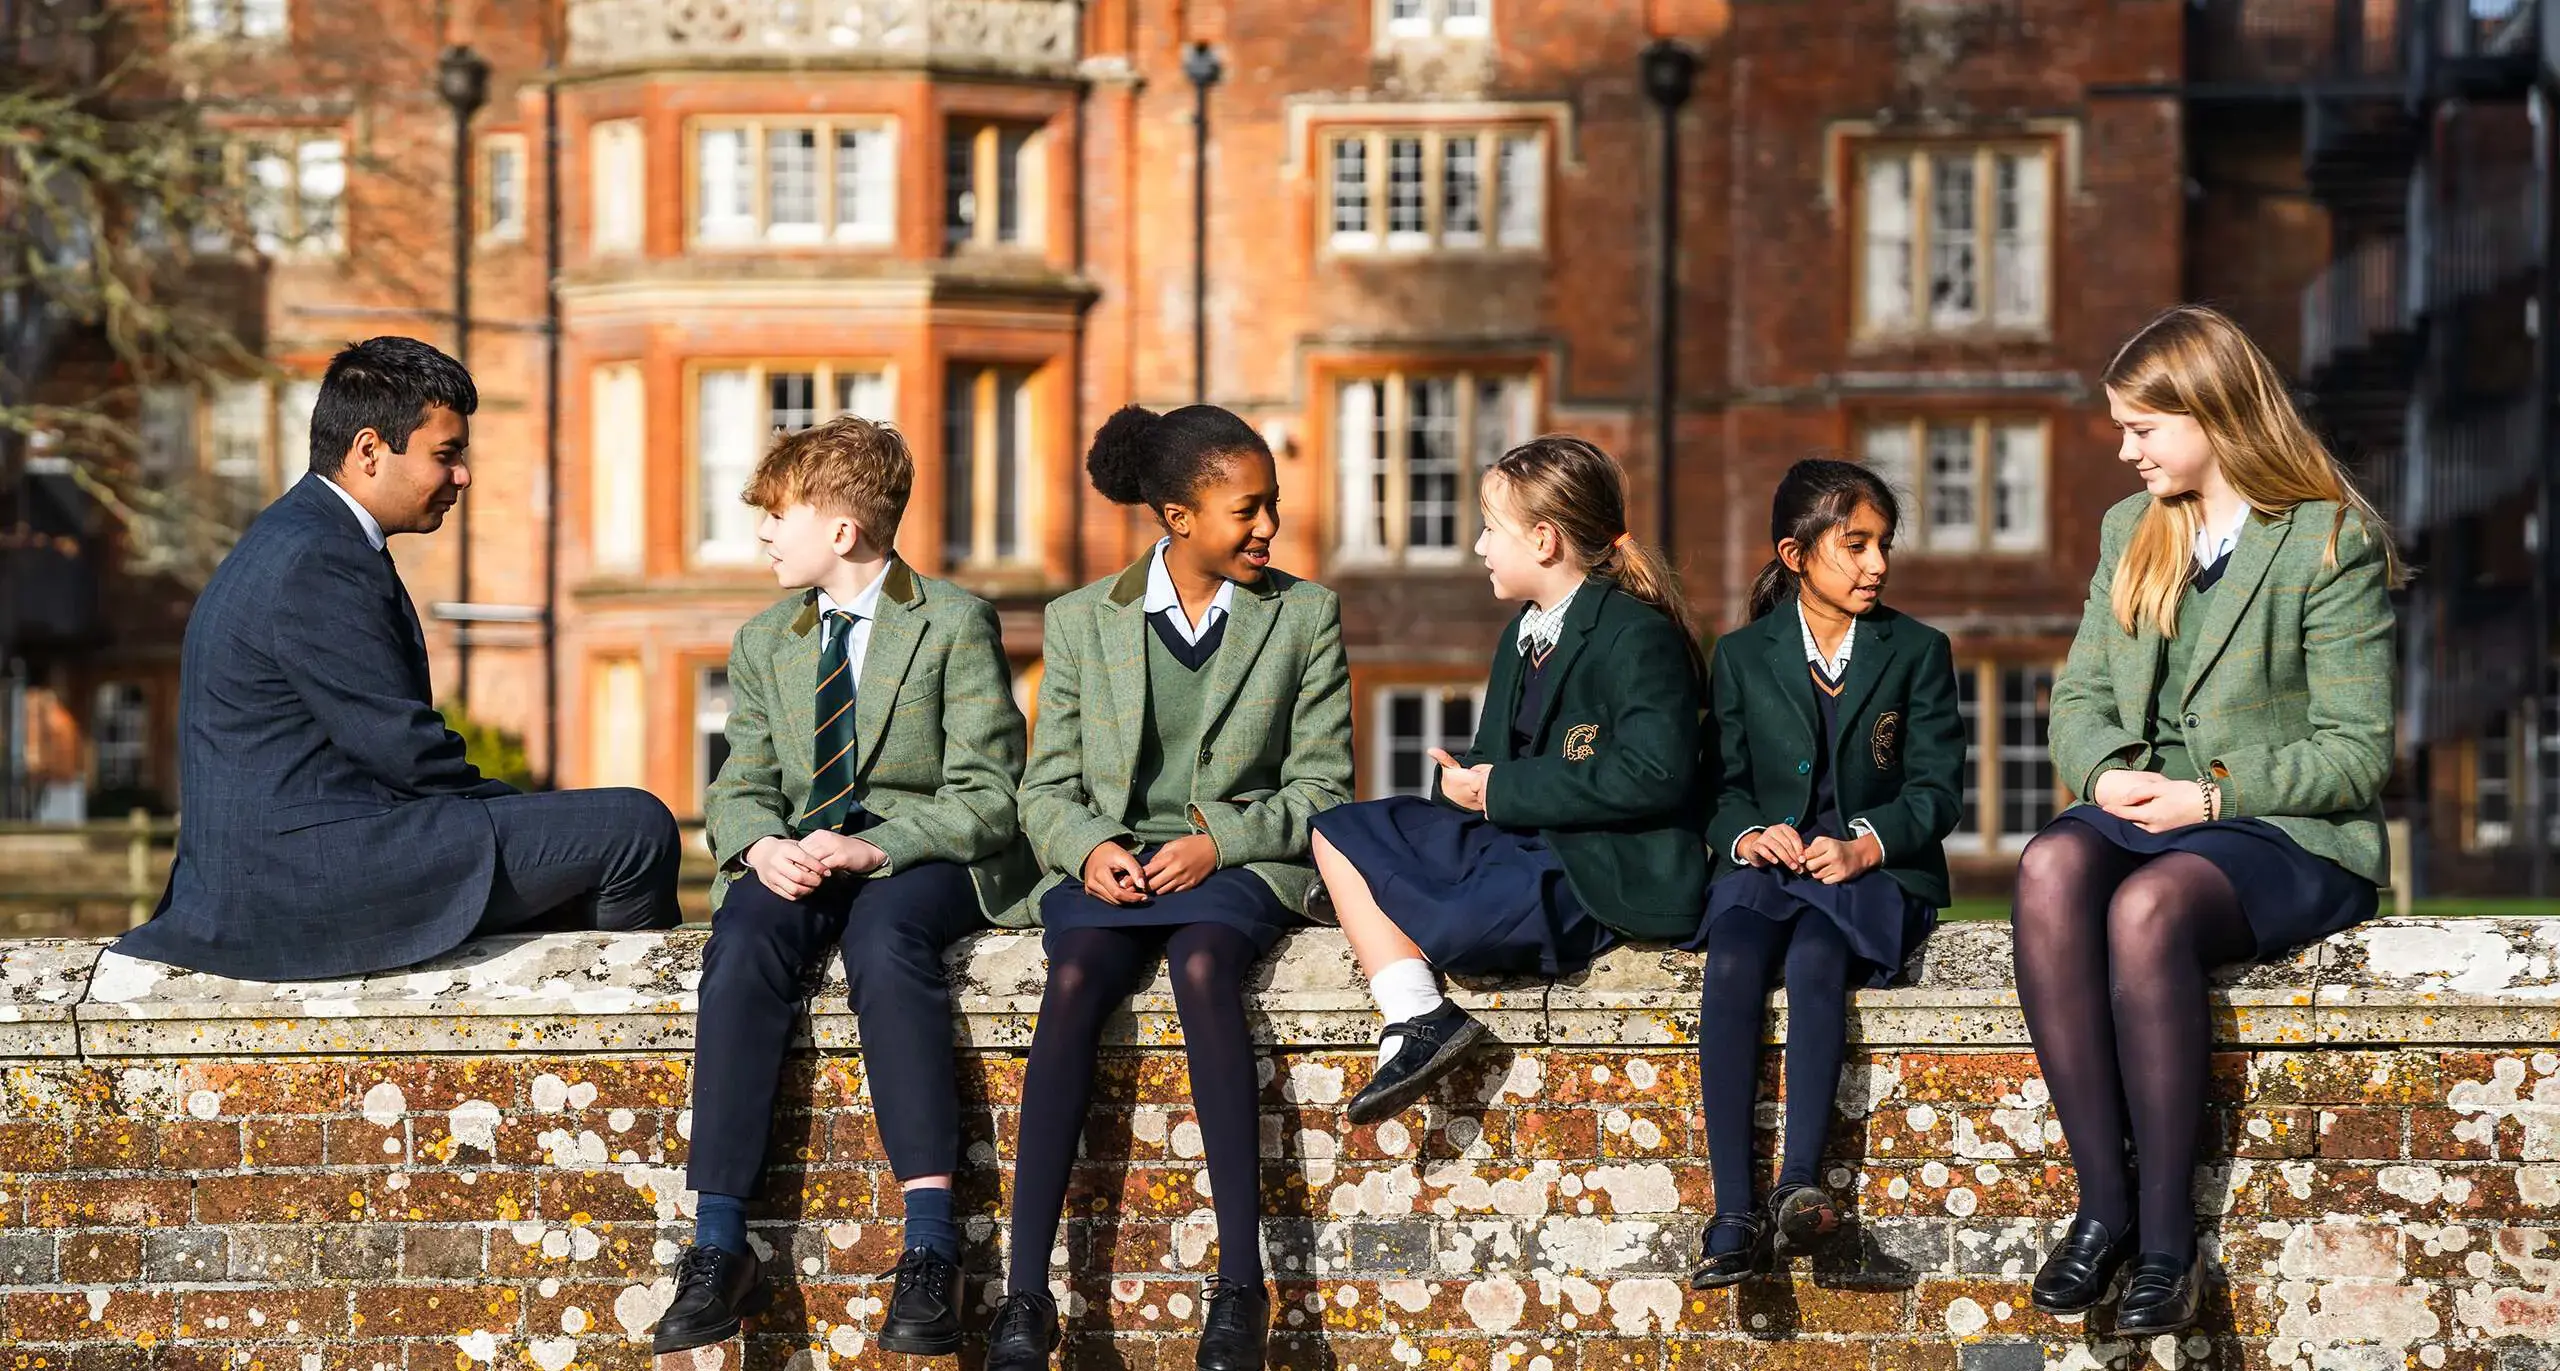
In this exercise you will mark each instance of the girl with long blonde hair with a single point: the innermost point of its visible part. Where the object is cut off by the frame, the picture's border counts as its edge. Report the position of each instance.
(2226, 717)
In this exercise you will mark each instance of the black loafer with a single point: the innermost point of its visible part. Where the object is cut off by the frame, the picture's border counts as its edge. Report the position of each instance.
(1432, 1045)
(1755, 1257)
(715, 1288)
(1237, 1329)
(1023, 1333)
(1803, 1217)
(924, 1306)
(2162, 1294)
(2076, 1273)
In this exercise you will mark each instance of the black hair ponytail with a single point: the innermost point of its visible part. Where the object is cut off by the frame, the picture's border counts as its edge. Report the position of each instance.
(1816, 496)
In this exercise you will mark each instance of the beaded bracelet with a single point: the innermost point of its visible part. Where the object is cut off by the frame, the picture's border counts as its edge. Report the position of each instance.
(2212, 800)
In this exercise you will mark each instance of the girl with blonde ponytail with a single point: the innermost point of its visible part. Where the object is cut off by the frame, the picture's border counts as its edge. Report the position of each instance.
(2226, 715)
(1573, 820)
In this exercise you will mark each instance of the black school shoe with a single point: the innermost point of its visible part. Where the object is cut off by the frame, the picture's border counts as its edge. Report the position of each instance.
(1432, 1045)
(1802, 1216)
(924, 1307)
(1237, 1329)
(715, 1288)
(1023, 1333)
(1755, 1257)
(2076, 1273)
(2161, 1295)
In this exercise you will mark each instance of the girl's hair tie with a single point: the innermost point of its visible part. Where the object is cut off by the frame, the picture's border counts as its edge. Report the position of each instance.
(1624, 542)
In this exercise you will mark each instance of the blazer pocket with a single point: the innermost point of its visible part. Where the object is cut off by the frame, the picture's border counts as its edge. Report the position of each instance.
(312, 813)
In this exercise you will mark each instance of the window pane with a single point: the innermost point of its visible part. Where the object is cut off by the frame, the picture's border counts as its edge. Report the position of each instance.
(1887, 451)
(791, 401)
(1969, 708)
(1886, 289)
(711, 723)
(1011, 415)
(293, 429)
(2018, 254)
(1458, 721)
(505, 191)
(960, 467)
(321, 182)
(2493, 785)
(2026, 766)
(262, 18)
(1350, 187)
(269, 192)
(1405, 218)
(1955, 290)
(866, 184)
(1950, 524)
(1462, 192)
(1464, 18)
(1521, 192)
(236, 428)
(791, 184)
(1012, 147)
(1500, 418)
(167, 428)
(207, 18)
(1409, 18)
(724, 186)
(2017, 487)
(1361, 448)
(959, 185)
(615, 168)
(729, 442)
(1431, 463)
(1408, 742)
(865, 393)
(120, 728)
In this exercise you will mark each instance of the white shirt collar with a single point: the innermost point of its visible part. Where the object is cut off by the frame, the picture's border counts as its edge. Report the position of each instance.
(364, 516)
(864, 606)
(2213, 544)
(1161, 596)
(1836, 665)
(1544, 626)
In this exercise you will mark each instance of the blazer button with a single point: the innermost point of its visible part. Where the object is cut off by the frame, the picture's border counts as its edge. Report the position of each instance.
(2191, 721)
(1789, 821)
(1803, 768)
(1204, 755)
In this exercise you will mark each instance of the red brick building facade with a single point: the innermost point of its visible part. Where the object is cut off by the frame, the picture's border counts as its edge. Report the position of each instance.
(1908, 232)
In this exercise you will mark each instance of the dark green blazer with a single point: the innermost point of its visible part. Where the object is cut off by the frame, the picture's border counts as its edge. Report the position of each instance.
(937, 733)
(1610, 778)
(1276, 748)
(1898, 761)
(2289, 696)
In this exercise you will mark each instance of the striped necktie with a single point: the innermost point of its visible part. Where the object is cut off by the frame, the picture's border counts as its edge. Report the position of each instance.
(831, 780)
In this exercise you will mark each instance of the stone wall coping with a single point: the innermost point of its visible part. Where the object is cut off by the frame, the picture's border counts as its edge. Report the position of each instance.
(2484, 981)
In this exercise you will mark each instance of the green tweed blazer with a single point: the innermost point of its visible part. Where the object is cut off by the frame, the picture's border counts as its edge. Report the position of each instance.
(2288, 701)
(1898, 761)
(1274, 752)
(937, 735)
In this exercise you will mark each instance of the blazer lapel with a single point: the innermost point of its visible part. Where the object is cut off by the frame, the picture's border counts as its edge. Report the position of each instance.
(1570, 638)
(1785, 654)
(894, 635)
(2239, 585)
(795, 681)
(1869, 655)
(1251, 613)
(1123, 626)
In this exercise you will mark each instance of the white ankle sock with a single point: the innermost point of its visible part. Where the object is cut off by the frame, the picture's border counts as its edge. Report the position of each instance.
(1404, 990)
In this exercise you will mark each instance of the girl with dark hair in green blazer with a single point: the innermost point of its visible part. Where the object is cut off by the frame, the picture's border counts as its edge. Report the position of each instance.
(2226, 717)
(1843, 771)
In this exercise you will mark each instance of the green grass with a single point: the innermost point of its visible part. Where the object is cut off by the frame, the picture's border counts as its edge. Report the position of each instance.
(2446, 907)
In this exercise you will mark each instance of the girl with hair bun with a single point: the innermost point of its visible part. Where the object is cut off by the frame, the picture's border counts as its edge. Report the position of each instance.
(1841, 744)
(1195, 715)
(1573, 820)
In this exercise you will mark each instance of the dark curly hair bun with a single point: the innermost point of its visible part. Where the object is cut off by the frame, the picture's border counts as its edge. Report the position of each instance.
(1122, 453)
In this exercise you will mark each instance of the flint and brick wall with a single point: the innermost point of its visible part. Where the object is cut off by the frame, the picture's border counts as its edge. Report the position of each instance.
(481, 1164)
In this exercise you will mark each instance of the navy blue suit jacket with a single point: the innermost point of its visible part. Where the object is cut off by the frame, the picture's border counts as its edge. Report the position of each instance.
(329, 824)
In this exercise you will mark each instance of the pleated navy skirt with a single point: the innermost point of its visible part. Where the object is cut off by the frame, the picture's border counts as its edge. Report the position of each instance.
(1232, 896)
(2289, 896)
(1477, 898)
(1881, 922)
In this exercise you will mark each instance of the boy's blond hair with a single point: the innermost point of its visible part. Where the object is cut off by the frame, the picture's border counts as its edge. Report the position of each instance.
(846, 466)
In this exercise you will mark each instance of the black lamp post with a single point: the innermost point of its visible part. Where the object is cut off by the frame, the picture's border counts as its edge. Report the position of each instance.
(462, 78)
(1203, 68)
(1670, 73)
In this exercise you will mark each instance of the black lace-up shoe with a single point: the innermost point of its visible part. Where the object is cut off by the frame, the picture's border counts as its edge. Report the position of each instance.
(715, 1288)
(1237, 1329)
(1023, 1333)
(924, 1307)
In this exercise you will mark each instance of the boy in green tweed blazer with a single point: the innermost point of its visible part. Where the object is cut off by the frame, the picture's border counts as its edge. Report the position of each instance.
(867, 801)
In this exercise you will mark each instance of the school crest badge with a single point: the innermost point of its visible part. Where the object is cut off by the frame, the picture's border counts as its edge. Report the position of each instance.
(1579, 742)
(1886, 741)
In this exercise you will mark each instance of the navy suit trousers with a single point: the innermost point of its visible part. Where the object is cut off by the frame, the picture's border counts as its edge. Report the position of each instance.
(893, 931)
